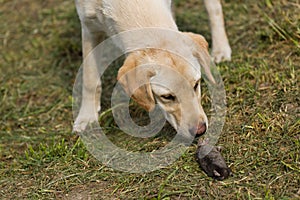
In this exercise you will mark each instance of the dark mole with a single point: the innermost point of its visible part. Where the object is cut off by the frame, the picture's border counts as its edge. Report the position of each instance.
(213, 162)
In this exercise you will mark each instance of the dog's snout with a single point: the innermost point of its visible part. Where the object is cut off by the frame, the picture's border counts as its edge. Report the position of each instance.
(201, 128)
(198, 130)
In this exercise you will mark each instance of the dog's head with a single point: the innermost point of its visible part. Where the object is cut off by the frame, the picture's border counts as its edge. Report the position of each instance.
(171, 82)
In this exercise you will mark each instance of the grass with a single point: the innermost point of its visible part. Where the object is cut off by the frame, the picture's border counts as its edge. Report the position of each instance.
(41, 159)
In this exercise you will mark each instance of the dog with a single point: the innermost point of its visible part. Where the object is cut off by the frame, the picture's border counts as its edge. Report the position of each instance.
(117, 16)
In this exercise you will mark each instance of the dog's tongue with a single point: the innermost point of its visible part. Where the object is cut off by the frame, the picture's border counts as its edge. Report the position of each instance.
(211, 161)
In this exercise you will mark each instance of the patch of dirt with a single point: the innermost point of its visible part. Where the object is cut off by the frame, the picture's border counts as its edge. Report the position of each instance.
(93, 190)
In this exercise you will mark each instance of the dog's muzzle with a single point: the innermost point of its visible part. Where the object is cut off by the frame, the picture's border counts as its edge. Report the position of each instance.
(198, 130)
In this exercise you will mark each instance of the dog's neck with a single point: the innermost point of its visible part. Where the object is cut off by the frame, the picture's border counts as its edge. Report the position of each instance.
(127, 15)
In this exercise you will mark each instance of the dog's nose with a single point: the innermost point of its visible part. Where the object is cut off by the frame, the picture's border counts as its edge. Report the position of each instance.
(199, 130)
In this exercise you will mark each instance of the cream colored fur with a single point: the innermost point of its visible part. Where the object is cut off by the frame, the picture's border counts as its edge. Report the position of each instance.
(116, 16)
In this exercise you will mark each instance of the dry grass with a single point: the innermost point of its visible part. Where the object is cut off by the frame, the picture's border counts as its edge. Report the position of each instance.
(41, 159)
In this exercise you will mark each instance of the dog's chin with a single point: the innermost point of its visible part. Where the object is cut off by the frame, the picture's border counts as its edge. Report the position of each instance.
(184, 136)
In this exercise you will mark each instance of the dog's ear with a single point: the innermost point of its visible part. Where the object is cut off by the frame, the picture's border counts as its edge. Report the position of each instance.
(136, 82)
(201, 53)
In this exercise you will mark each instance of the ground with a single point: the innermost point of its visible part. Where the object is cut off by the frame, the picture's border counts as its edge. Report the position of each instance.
(40, 157)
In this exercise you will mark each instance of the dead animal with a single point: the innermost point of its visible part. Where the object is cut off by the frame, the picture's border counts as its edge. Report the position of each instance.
(211, 161)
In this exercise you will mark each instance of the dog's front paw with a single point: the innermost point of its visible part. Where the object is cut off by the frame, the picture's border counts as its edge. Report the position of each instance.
(221, 53)
(82, 121)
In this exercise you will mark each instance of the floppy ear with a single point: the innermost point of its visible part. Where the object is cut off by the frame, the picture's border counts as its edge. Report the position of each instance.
(136, 82)
(201, 53)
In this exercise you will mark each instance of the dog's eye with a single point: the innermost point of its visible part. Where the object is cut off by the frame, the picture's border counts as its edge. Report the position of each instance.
(168, 97)
(196, 86)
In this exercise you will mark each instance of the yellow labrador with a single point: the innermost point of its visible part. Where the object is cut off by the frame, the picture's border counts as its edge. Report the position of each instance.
(117, 16)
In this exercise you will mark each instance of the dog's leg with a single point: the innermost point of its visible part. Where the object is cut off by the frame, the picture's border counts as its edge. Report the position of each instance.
(91, 87)
(220, 46)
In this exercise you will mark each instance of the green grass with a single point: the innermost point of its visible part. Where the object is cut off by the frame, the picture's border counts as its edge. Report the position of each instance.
(41, 159)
